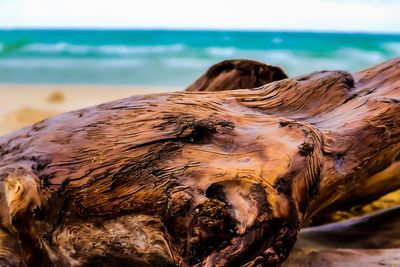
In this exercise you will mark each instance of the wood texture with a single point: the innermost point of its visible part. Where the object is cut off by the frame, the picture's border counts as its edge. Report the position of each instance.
(195, 178)
(237, 74)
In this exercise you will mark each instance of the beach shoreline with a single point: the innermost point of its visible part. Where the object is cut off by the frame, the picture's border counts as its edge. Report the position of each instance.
(24, 104)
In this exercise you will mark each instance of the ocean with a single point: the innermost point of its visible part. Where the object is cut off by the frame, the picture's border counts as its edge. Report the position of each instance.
(175, 58)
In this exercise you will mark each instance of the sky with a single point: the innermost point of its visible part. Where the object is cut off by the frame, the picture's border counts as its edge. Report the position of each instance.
(309, 15)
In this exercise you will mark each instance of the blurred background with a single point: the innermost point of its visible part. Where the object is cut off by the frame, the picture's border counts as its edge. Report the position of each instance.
(176, 57)
(60, 55)
(170, 43)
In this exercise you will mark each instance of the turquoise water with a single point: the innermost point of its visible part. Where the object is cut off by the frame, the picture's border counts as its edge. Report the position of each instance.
(175, 58)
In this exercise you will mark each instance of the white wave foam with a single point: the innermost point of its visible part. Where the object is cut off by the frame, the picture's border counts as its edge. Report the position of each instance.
(101, 49)
(124, 49)
(56, 48)
(192, 63)
(277, 40)
(294, 62)
(368, 57)
(300, 62)
(393, 48)
(222, 51)
(59, 63)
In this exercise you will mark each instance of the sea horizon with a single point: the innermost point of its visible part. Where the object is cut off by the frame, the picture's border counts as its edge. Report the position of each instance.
(196, 29)
(176, 57)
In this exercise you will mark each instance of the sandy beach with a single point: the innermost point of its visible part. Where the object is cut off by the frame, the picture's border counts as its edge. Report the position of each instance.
(23, 105)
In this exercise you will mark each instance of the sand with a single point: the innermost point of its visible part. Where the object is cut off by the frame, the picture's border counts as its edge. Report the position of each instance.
(23, 105)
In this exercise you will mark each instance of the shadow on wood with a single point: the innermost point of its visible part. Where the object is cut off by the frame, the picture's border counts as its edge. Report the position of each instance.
(370, 240)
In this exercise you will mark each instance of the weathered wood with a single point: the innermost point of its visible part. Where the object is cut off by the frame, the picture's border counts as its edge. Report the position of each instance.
(208, 178)
(237, 74)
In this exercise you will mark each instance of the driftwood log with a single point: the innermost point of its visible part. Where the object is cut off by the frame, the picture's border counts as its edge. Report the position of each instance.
(197, 178)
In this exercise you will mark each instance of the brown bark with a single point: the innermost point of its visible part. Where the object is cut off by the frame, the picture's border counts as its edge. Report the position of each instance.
(208, 178)
(237, 74)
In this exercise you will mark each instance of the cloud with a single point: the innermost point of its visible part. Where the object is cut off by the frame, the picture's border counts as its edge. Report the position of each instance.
(332, 15)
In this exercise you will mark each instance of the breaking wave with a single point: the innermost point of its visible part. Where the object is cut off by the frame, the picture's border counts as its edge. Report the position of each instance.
(176, 57)
(81, 50)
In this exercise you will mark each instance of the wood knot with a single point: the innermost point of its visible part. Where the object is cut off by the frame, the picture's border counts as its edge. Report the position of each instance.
(211, 225)
(201, 131)
(283, 123)
(306, 149)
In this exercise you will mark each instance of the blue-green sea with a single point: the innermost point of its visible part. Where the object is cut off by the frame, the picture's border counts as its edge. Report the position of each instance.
(176, 58)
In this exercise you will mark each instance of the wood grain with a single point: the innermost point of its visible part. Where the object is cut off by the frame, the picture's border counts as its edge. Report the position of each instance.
(223, 178)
